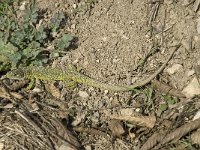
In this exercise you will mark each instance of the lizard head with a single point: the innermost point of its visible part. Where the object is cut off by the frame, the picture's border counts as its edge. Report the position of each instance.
(15, 74)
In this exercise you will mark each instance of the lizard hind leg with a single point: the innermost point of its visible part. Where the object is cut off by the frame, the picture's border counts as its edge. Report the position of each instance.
(72, 68)
(70, 84)
(31, 84)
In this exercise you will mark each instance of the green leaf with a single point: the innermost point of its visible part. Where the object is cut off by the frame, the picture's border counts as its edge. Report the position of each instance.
(18, 37)
(7, 48)
(64, 42)
(54, 55)
(39, 62)
(170, 100)
(29, 53)
(34, 45)
(163, 107)
(15, 58)
(56, 21)
(40, 35)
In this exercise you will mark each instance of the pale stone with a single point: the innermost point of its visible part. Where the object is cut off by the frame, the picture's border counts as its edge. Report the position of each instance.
(192, 89)
(88, 147)
(175, 68)
(65, 147)
(1, 146)
(83, 94)
(23, 6)
(197, 115)
(190, 73)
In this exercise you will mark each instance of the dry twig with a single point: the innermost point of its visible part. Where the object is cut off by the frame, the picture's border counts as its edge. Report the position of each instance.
(181, 131)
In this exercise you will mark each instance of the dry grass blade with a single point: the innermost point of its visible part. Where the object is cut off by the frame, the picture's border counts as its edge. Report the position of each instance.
(183, 102)
(35, 126)
(181, 131)
(32, 123)
(154, 12)
(90, 131)
(16, 133)
(17, 85)
(152, 141)
(116, 127)
(5, 93)
(65, 137)
(162, 87)
(195, 137)
(135, 118)
(16, 95)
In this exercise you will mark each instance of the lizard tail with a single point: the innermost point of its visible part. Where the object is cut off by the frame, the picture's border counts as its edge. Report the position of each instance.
(92, 82)
(77, 77)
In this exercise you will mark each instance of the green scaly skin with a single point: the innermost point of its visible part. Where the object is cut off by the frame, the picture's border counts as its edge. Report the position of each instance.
(71, 74)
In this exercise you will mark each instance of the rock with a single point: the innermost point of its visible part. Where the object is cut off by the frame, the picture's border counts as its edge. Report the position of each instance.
(83, 94)
(65, 147)
(23, 6)
(88, 147)
(137, 109)
(175, 68)
(2, 146)
(197, 115)
(192, 89)
(74, 6)
(73, 26)
(190, 73)
(187, 2)
(187, 43)
(106, 92)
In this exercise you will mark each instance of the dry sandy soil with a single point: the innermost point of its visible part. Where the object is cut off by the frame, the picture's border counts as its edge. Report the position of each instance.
(114, 36)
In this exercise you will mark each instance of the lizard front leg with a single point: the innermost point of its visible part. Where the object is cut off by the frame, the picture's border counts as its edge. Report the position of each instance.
(31, 84)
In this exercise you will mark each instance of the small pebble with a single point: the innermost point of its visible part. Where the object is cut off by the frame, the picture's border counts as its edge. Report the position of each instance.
(105, 92)
(197, 115)
(83, 94)
(64, 147)
(192, 89)
(134, 79)
(137, 109)
(36, 90)
(73, 26)
(88, 147)
(74, 6)
(187, 44)
(23, 6)
(175, 68)
(190, 73)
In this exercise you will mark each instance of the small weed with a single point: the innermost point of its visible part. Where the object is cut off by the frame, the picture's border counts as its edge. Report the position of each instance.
(23, 41)
(168, 101)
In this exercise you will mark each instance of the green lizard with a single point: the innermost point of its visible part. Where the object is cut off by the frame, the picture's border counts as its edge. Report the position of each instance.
(72, 75)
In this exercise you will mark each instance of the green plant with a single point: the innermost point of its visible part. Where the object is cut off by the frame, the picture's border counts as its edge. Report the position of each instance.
(168, 101)
(23, 42)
